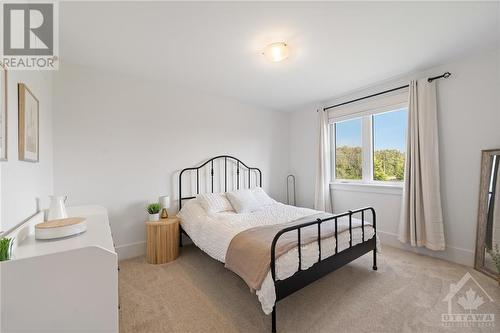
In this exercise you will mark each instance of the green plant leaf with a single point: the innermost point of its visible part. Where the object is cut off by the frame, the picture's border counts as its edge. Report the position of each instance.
(153, 208)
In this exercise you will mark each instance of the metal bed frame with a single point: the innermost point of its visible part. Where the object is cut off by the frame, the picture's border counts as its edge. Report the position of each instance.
(322, 267)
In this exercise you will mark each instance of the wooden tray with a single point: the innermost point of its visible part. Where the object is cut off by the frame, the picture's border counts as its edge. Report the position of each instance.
(60, 228)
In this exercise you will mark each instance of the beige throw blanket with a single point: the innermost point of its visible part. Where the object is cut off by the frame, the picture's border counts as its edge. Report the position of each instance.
(249, 253)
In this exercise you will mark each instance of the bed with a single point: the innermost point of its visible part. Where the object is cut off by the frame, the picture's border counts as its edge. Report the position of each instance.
(261, 244)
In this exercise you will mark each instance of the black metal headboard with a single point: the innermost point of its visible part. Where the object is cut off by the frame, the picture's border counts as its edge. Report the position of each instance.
(241, 175)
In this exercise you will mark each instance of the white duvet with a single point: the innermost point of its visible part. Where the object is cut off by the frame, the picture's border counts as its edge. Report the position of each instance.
(213, 233)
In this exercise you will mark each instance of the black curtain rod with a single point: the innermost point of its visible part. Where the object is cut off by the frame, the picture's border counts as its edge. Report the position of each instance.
(445, 75)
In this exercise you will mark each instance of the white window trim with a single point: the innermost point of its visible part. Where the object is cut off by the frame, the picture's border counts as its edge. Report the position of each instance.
(365, 111)
(391, 189)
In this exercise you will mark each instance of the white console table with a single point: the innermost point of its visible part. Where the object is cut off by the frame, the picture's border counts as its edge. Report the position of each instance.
(65, 285)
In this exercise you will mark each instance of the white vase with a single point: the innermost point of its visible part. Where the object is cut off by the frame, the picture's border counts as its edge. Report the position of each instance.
(57, 210)
(154, 217)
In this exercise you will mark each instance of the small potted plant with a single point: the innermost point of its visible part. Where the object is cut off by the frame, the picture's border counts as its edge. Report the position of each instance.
(5, 248)
(154, 211)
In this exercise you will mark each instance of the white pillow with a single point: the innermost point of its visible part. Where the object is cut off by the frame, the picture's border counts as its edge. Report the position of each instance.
(191, 211)
(243, 201)
(215, 202)
(192, 216)
(262, 198)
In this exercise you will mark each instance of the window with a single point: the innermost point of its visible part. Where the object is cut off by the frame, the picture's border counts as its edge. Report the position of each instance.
(389, 145)
(370, 148)
(348, 155)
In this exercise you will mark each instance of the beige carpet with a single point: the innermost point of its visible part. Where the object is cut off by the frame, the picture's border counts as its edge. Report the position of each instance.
(197, 294)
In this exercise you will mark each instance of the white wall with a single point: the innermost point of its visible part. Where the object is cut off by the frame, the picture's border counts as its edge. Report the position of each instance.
(120, 141)
(24, 182)
(469, 120)
(304, 152)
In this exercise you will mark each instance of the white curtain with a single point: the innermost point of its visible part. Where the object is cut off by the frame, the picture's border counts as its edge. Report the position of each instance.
(422, 219)
(322, 200)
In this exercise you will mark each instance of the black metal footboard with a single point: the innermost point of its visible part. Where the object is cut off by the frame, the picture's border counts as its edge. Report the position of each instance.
(323, 267)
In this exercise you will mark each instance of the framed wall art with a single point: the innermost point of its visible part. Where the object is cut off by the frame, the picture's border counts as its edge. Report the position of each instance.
(3, 113)
(28, 125)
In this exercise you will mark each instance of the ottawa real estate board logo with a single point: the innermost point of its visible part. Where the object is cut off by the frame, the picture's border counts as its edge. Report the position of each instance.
(30, 35)
(469, 305)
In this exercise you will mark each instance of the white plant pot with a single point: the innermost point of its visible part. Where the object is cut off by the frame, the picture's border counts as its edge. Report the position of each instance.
(154, 217)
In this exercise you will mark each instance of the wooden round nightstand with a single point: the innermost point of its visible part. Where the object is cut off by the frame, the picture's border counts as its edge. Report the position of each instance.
(162, 240)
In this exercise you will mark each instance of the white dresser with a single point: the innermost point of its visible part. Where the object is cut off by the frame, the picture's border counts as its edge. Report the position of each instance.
(66, 285)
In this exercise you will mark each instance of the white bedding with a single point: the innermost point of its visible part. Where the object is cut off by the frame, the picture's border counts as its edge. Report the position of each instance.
(213, 233)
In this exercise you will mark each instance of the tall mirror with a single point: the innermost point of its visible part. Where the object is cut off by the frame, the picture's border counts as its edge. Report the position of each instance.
(487, 258)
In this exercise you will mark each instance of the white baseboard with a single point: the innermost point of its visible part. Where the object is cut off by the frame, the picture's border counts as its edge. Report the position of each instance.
(131, 250)
(453, 254)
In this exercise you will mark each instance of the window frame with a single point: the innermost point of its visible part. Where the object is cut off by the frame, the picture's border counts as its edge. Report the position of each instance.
(367, 142)
(333, 158)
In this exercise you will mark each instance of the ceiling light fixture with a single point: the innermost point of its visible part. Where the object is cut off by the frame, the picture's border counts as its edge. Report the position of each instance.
(276, 51)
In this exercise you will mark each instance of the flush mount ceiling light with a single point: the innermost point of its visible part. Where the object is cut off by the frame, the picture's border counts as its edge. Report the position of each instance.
(276, 52)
